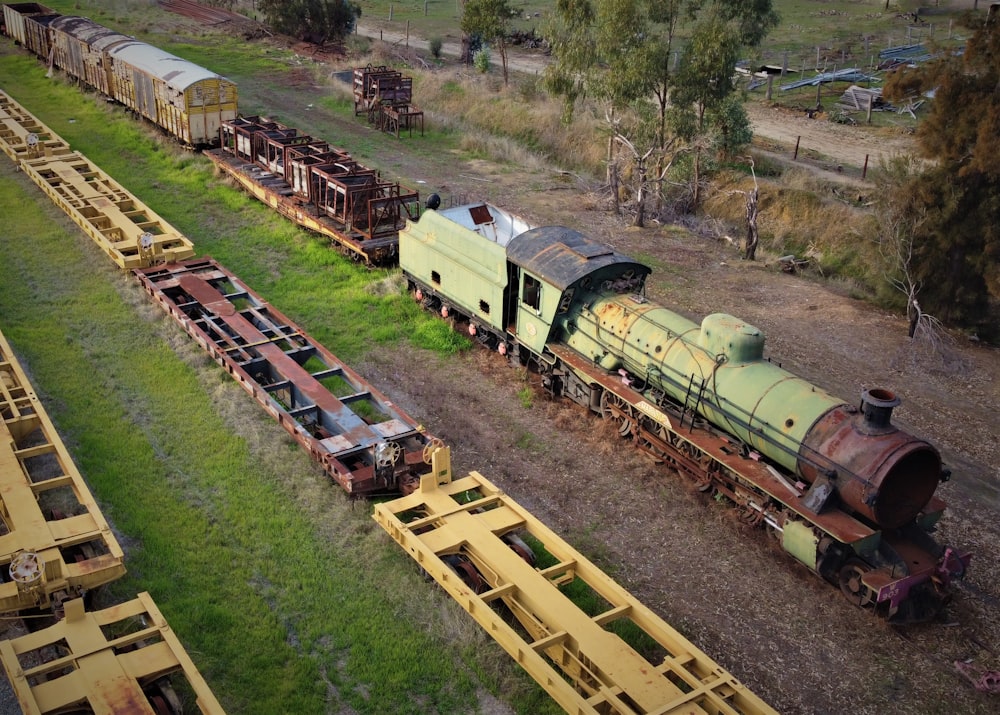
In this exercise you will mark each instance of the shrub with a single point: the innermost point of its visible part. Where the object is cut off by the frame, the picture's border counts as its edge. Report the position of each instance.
(481, 60)
(435, 47)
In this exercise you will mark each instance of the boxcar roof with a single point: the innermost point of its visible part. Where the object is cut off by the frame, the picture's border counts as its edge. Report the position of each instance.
(177, 73)
(561, 256)
(88, 31)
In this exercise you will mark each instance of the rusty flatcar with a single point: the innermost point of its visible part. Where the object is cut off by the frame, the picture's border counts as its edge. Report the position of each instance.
(317, 186)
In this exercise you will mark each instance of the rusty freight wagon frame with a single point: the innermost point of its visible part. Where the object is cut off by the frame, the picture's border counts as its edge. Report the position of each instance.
(130, 232)
(319, 187)
(466, 534)
(120, 659)
(366, 443)
(54, 542)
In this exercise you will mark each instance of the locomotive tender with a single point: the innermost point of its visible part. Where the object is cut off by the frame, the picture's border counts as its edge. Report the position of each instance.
(850, 494)
(187, 101)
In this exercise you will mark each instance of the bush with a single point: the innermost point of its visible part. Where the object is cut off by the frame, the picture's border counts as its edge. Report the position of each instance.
(481, 60)
(435, 47)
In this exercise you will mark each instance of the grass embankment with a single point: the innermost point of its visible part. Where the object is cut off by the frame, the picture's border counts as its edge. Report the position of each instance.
(287, 596)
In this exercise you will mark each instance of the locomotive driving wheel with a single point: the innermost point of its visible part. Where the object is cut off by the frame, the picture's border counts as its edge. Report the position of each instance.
(615, 408)
(851, 585)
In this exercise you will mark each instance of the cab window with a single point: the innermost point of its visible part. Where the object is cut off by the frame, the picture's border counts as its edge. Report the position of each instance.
(531, 293)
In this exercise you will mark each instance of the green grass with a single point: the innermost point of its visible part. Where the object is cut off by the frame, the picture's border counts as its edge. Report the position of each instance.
(286, 605)
(279, 616)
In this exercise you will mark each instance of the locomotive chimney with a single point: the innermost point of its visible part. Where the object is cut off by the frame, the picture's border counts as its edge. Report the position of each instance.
(876, 406)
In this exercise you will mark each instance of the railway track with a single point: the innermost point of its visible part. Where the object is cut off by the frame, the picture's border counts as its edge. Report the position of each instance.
(213, 16)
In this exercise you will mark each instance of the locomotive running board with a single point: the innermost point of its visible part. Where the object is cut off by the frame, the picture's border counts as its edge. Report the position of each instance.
(835, 522)
(578, 658)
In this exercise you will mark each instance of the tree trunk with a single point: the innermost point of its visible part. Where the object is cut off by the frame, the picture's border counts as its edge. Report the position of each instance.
(750, 248)
(696, 190)
(502, 46)
(640, 194)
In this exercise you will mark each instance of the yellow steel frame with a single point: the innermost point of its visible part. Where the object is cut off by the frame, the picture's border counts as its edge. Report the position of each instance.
(106, 673)
(577, 657)
(131, 233)
(34, 461)
(22, 136)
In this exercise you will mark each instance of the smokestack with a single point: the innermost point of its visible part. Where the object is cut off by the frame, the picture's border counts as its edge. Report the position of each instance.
(876, 406)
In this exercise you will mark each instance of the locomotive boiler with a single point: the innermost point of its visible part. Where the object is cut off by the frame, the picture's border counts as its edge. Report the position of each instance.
(849, 493)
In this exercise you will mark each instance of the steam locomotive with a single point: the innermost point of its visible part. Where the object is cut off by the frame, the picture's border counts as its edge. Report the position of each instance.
(848, 493)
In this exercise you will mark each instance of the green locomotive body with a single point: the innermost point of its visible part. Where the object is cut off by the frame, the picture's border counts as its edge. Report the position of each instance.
(848, 490)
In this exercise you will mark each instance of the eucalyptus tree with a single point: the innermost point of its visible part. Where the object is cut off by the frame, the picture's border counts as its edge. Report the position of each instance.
(678, 55)
(316, 21)
(490, 21)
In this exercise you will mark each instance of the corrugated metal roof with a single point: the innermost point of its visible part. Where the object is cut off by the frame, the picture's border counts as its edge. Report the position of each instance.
(178, 73)
(88, 31)
(561, 256)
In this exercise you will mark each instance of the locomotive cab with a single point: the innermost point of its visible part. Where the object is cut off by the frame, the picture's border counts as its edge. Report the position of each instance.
(555, 266)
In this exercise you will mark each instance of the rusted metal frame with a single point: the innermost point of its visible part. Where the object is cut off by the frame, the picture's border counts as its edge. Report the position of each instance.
(385, 211)
(108, 675)
(401, 117)
(61, 555)
(613, 678)
(276, 144)
(365, 84)
(267, 353)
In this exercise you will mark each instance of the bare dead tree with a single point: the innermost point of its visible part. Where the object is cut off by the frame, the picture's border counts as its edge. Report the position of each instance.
(752, 199)
(928, 337)
(896, 244)
(640, 160)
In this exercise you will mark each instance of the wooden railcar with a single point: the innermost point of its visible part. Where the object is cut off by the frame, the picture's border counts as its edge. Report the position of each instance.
(187, 101)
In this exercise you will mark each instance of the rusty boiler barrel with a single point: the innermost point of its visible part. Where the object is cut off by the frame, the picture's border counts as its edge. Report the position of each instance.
(879, 470)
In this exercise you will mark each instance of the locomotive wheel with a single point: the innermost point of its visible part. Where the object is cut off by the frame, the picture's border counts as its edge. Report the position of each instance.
(615, 408)
(851, 586)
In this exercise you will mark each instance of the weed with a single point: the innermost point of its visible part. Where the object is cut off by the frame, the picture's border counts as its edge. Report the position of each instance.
(527, 397)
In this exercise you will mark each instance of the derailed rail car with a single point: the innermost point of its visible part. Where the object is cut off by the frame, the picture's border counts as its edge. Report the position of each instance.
(850, 494)
(187, 101)
(55, 544)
